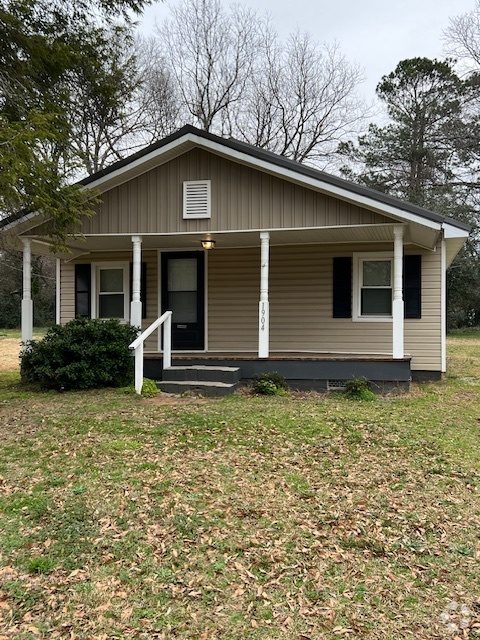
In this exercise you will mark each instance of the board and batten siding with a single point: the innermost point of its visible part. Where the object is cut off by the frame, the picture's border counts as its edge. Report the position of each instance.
(300, 293)
(242, 198)
(67, 286)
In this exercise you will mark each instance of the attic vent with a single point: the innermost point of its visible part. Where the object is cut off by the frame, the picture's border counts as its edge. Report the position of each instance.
(196, 199)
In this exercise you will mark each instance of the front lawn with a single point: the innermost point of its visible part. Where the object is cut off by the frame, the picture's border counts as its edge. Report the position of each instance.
(302, 517)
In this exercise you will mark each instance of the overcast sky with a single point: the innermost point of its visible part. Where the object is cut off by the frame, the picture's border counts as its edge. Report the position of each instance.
(376, 34)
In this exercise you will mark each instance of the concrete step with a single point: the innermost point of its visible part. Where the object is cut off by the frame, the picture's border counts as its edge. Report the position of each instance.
(198, 387)
(201, 373)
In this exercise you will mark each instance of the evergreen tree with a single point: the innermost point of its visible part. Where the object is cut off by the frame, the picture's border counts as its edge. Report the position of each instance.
(426, 154)
(45, 48)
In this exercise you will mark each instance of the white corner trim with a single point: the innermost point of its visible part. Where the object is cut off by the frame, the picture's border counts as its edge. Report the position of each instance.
(443, 307)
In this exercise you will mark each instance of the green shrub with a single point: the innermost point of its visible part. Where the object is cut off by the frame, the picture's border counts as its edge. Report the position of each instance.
(359, 389)
(269, 384)
(149, 388)
(82, 354)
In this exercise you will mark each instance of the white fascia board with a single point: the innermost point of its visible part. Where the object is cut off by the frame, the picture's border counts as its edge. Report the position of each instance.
(21, 220)
(449, 231)
(125, 171)
(344, 194)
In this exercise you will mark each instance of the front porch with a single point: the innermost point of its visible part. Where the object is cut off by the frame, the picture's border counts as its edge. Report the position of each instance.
(303, 371)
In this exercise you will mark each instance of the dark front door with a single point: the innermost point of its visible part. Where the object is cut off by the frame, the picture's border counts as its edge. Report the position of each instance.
(183, 293)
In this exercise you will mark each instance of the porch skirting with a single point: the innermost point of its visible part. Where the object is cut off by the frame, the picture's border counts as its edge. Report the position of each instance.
(322, 372)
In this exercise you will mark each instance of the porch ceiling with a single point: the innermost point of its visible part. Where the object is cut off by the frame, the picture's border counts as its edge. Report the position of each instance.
(381, 233)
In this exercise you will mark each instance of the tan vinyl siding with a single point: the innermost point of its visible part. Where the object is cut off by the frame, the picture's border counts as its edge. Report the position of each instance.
(301, 305)
(67, 286)
(233, 294)
(423, 337)
(242, 198)
(67, 292)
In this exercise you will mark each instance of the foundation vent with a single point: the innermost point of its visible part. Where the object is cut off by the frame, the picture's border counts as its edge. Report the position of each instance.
(336, 385)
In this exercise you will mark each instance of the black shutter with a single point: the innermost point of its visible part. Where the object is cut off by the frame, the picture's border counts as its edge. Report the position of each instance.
(412, 286)
(143, 287)
(342, 287)
(83, 284)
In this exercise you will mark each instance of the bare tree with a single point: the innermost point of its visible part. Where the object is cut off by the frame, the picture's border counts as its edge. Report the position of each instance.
(210, 56)
(158, 98)
(104, 110)
(303, 99)
(462, 38)
(236, 78)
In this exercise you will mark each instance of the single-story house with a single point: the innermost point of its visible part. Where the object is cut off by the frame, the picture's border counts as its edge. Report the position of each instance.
(266, 264)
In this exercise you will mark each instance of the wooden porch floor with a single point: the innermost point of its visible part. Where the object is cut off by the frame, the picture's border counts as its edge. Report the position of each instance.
(276, 355)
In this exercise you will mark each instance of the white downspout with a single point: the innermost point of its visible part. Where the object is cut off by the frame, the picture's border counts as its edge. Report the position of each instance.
(398, 304)
(27, 303)
(264, 311)
(136, 304)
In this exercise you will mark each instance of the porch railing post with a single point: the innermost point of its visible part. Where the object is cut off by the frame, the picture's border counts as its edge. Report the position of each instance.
(167, 342)
(264, 309)
(139, 368)
(398, 304)
(138, 345)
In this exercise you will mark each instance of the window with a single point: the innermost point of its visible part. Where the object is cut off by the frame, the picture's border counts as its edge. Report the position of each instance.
(373, 289)
(111, 299)
(196, 199)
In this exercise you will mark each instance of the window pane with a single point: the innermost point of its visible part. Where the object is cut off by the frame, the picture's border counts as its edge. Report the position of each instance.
(376, 302)
(111, 280)
(182, 274)
(377, 273)
(183, 304)
(111, 305)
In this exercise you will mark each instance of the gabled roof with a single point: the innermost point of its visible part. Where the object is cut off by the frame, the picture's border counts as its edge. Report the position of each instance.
(189, 136)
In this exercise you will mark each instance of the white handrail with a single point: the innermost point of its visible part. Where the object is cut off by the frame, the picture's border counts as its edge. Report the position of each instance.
(137, 345)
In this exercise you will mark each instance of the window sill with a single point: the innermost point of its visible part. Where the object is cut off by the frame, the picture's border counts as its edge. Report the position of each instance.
(372, 319)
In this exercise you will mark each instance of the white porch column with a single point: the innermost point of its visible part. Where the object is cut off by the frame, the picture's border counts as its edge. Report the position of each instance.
(136, 304)
(398, 304)
(27, 303)
(263, 311)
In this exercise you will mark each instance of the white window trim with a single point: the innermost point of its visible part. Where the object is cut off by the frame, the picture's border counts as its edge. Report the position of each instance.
(96, 268)
(195, 216)
(358, 259)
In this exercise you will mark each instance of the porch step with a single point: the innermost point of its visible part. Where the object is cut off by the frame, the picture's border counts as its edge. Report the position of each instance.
(201, 379)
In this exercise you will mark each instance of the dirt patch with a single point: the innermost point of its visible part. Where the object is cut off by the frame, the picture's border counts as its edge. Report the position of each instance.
(9, 350)
(171, 398)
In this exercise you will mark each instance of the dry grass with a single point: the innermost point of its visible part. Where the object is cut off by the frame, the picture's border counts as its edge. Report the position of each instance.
(9, 350)
(304, 517)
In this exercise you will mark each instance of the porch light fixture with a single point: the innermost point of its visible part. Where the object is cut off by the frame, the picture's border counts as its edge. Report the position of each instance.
(208, 244)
